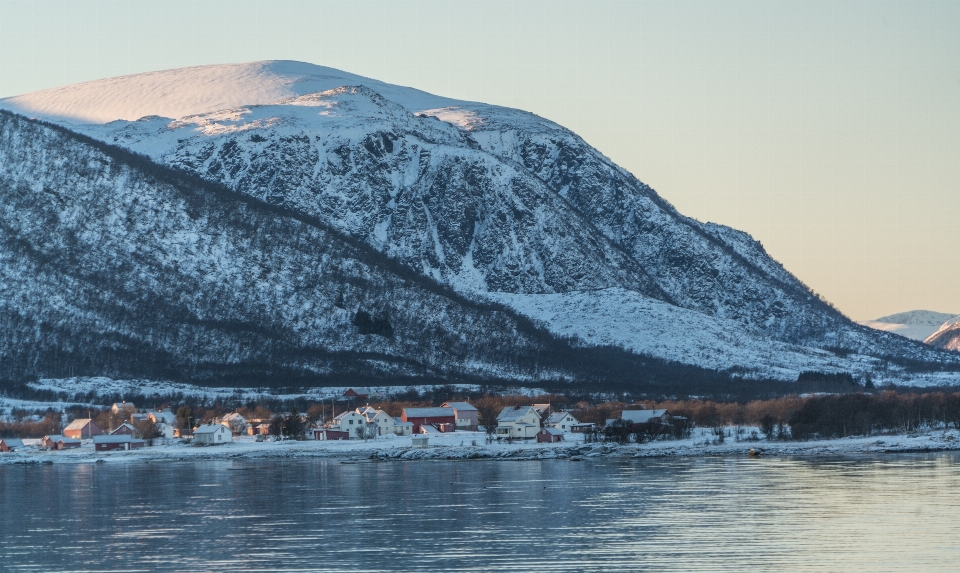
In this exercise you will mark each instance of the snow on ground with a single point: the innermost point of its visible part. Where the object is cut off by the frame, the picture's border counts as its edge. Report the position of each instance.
(628, 319)
(472, 445)
(68, 388)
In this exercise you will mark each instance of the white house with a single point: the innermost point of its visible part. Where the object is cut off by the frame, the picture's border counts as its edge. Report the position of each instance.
(352, 422)
(646, 416)
(522, 422)
(210, 434)
(384, 423)
(402, 428)
(563, 421)
(162, 417)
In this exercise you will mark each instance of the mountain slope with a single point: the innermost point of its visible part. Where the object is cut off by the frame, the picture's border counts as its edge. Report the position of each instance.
(488, 200)
(110, 264)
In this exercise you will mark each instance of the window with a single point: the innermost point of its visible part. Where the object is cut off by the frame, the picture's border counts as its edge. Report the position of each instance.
(351, 422)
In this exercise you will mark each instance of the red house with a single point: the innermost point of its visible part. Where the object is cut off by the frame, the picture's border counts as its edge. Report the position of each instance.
(116, 442)
(327, 434)
(549, 435)
(82, 428)
(437, 417)
(57, 442)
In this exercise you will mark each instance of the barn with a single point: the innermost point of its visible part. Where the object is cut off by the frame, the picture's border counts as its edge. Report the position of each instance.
(437, 417)
(82, 428)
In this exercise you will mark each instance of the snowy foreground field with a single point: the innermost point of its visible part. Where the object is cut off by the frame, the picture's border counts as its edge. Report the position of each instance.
(460, 446)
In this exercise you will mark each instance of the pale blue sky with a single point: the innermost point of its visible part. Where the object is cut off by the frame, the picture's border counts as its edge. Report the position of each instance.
(830, 131)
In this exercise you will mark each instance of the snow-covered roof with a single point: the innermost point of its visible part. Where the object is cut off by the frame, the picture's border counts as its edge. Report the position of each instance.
(553, 431)
(346, 414)
(460, 406)
(428, 412)
(78, 424)
(12, 442)
(166, 417)
(113, 439)
(400, 422)
(210, 429)
(641, 416)
(59, 438)
(231, 417)
(557, 417)
(512, 413)
(124, 425)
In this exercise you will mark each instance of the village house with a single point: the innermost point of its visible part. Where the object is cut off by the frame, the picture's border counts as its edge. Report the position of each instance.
(468, 418)
(58, 442)
(442, 419)
(10, 444)
(518, 422)
(646, 416)
(125, 408)
(351, 422)
(212, 434)
(165, 421)
(383, 422)
(262, 429)
(116, 442)
(549, 435)
(82, 428)
(563, 421)
(235, 422)
(124, 429)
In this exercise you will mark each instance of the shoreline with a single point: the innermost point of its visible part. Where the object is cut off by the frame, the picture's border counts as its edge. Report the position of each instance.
(472, 446)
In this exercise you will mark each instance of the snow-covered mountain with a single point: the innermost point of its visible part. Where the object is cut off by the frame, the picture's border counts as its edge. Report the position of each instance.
(947, 336)
(913, 324)
(494, 202)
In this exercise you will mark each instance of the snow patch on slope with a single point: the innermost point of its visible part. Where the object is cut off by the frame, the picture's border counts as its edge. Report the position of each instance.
(914, 324)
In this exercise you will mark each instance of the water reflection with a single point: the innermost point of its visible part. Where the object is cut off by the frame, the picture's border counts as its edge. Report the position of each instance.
(707, 514)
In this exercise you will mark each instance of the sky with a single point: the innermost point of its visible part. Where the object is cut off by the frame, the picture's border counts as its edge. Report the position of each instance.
(829, 131)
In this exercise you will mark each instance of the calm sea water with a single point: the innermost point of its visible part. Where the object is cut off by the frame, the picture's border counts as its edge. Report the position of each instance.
(716, 514)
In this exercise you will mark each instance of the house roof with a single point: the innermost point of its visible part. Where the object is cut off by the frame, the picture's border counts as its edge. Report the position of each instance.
(166, 417)
(428, 412)
(232, 416)
(12, 442)
(124, 425)
(210, 429)
(59, 438)
(343, 415)
(553, 431)
(464, 406)
(641, 416)
(78, 424)
(113, 439)
(556, 417)
(512, 413)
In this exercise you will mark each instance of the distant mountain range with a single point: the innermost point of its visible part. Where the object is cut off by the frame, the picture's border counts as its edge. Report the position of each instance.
(914, 324)
(285, 217)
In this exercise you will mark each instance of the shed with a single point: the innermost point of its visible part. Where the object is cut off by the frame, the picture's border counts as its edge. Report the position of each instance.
(328, 434)
(549, 435)
(116, 442)
(10, 444)
(660, 416)
(420, 441)
(212, 434)
(82, 428)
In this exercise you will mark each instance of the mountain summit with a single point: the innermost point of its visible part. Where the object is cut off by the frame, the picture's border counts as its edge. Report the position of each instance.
(497, 204)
